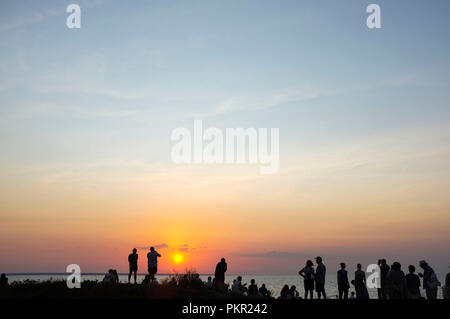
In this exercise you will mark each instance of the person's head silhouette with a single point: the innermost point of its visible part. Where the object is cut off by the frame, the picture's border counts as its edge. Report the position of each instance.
(318, 259)
(411, 269)
(396, 266)
(222, 260)
(342, 265)
(134, 250)
(309, 263)
(152, 248)
(423, 264)
(359, 266)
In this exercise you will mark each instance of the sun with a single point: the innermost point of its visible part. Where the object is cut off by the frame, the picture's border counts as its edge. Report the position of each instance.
(178, 258)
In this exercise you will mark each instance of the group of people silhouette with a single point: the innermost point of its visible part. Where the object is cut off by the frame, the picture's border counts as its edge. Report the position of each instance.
(394, 284)
(152, 265)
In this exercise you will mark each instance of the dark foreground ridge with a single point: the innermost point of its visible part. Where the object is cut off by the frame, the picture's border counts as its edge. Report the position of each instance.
(170, 289)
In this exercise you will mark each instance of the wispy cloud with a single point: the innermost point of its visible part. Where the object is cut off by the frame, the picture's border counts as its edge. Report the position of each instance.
(186, 248)
(157, 246)
(274, 254)
(253, 101)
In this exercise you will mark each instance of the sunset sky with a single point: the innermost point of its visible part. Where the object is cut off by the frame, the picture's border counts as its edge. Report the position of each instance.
(86, 117)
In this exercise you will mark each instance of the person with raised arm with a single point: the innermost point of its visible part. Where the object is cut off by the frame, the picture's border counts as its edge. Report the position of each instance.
(307, 273)
(152, 259)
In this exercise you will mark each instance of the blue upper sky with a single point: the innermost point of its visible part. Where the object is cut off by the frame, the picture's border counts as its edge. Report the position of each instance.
(136, 71)
(356, 107)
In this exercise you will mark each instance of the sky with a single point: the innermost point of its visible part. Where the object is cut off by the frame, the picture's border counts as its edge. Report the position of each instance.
(86, 117)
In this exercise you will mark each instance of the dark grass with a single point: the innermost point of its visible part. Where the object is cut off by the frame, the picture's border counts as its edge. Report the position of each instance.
(167, 289)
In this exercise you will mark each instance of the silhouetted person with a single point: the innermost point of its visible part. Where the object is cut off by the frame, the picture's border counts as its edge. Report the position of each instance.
(263, 290)
(133, 263)
(284, 294)
(352, 295)
(253, 288)
(360, 283)
(308, 275)
(380, 296)
(209, 283)
(146, 279)
(3, 280)
(115, 276)
(109, 277)
(384, 270)
(293, 292)
(152, 260)
(396, 282)
(183, 282)
(238, 286)
(413, 283)
(446, 287)
(343, 283)
(430, 281)
(219, 274)
(320, 278)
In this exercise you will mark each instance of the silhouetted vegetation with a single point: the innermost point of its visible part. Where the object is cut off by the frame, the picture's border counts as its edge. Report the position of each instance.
(178, 286)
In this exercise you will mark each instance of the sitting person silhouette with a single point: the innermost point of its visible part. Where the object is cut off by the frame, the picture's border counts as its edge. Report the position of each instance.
(263, 290)
(209, 283)
(253, 288)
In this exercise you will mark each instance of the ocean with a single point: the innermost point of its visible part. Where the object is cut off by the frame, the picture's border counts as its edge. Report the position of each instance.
(274, 283)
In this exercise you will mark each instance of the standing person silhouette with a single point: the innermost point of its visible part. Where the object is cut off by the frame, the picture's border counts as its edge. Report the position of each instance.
(320, 278)
(413, 283)
(446, 287)
(343, 284)
(360, 283)
(384, 270)
(308, 275)
(380, 296)
(219, 274)
(3, 280)
(152, 259)
(396, 282)
(133, 262)
(430, 281)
